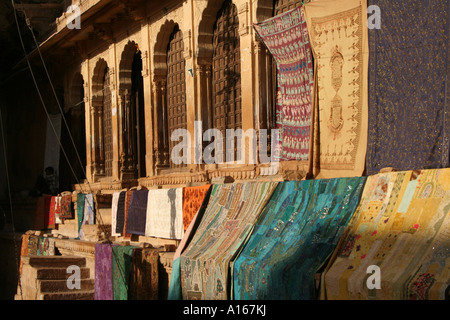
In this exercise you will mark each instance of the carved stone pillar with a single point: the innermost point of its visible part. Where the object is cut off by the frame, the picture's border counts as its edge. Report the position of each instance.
(161, 143)
(97, 155)
(126, 163)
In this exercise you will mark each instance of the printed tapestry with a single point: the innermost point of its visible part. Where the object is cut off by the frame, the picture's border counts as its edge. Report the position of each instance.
(295, 235)
(229, 218)
(401, 227)
(286, 37)
(338, 33)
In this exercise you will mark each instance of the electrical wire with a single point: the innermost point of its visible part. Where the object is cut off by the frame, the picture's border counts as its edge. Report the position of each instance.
(98, 214)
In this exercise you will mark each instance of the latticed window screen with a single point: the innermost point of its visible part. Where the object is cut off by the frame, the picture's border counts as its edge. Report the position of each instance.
(226, 70)
(107, 125)
(281, 6)
(176, 88)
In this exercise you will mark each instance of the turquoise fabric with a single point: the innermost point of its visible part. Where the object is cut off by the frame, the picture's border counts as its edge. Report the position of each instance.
(80, 212)
(175, 281)
(293, 238)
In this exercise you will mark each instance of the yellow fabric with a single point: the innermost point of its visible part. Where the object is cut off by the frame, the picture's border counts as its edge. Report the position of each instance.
(402, 225)
(339, 40)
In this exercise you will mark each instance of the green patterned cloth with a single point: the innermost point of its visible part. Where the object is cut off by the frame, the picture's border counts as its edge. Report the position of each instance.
(295, 235)
(121, 269)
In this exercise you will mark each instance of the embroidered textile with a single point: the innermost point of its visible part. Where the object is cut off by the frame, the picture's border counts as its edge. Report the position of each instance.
(103, 272)
(338, 33)
(401, 226)
(192, 200)
(165, 213)
(121, 269)
(286, 37)
(80, 213)
(137, 212)
(294, 236)
(175, 280)
(33, 242)
(66, 207)
(49, 216)
(46, 247)
(229, 218)
(49, 213)
(409, 92)
(58, 210)
(120, 212)
(144, 278)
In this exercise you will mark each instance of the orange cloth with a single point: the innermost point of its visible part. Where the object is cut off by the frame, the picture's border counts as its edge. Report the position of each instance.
(192, 201)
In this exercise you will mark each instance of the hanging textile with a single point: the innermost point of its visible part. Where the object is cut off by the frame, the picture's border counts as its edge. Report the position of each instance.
(286, 37)
(88, 213)
(126, 210)
(165, 213)
(144, 279)
(49, 212)
(58, 210)
(121, 268)
(295, 235)
(409, 95)
(46, 247)
(103, 272)
(33, 242)
(228, 220)
(120, 212)
(338, 33)
(80, 213)
(192, 200)
(66, 206)
(175, 280)
(137, 213)
(114, 204)
(402, 227)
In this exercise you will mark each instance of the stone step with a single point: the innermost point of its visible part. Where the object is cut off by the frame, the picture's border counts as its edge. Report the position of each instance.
(59, 273)
(54, 261)
(59, 286)
(76, 295)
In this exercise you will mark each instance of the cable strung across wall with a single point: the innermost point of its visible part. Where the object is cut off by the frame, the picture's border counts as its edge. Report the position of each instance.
(97, 212)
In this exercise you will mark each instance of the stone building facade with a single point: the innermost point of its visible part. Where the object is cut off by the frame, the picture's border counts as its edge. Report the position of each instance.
(139, 70)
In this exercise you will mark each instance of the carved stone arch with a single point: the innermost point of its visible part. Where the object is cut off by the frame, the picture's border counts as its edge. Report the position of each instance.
(97, 81)
(132, 116)
(160, 49)
(281, 6)
(74, 135)
(205, 31)
(101, 113)
(161, 81)
(126, 64)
